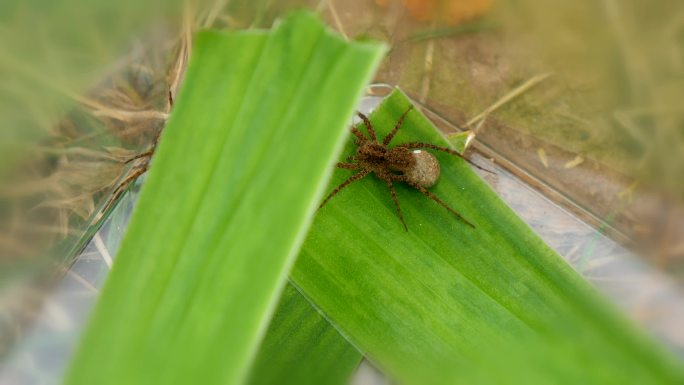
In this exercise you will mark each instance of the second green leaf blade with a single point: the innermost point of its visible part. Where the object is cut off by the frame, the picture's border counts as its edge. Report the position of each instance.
(448, 304)
(301, 347)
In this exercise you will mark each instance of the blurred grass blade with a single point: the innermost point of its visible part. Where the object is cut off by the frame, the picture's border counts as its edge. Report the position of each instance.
(445, 303)
(50, 51)
(301, 347)
(237, 175)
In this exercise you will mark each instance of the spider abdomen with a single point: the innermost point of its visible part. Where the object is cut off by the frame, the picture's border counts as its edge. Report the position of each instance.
(425, 170)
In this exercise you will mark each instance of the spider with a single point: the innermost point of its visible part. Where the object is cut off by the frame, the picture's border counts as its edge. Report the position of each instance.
(402, 163)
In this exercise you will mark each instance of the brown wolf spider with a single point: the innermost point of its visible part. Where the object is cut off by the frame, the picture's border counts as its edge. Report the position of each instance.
(402, 163)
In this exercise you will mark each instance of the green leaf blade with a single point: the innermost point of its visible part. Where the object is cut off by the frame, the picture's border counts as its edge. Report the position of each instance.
(235, 180)
(301, 347)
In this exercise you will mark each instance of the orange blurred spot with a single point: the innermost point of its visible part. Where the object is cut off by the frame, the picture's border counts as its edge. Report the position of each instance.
(422, 10)
(458, 11)
(450, 11)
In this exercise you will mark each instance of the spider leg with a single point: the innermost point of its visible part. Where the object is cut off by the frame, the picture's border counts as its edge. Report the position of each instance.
(433, 197)
(359, 136)
(348, 166)
(369, 126)
(388, 180)
(389, 136)
(344, 184)
(444, 149)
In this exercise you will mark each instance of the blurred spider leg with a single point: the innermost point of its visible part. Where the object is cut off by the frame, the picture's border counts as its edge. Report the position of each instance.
(359, 136)
(344, 184)
(348, 166)
(369, 126)
(389, 136)
(434, 198)
(388, 180)
(444, 149)
(351, 158)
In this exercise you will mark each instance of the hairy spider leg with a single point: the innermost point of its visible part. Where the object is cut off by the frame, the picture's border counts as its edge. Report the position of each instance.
(369, 126)
(344, 184)
(444, 149)
(359, 136)
(432, 196)
(388, 180)
(389, 136)
(348, 166)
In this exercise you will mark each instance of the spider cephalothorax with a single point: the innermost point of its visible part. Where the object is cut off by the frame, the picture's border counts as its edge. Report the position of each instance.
(402, 163)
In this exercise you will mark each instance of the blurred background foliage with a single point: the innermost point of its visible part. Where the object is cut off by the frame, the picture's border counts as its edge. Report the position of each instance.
(73, 76)
(598, 124)
(78, 80)
(51, 52)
